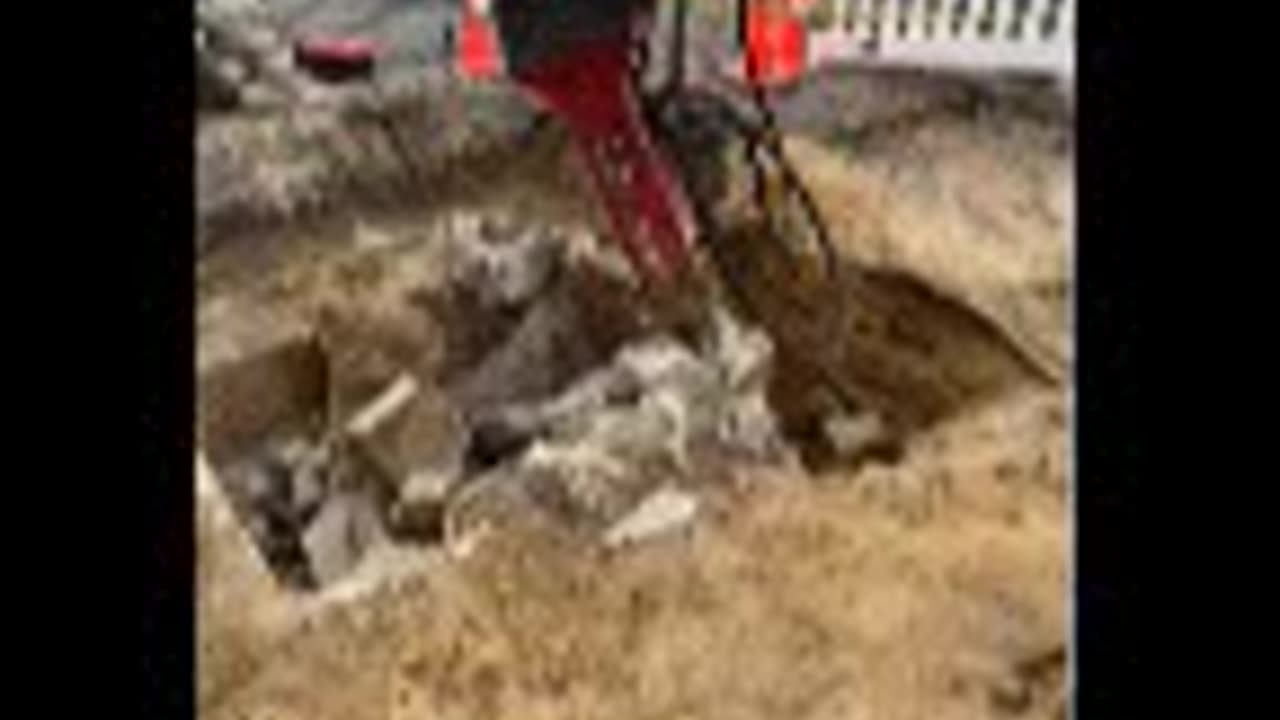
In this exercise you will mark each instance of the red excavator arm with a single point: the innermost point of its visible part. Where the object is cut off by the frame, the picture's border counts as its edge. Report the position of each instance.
(575, 58)
(590, 89)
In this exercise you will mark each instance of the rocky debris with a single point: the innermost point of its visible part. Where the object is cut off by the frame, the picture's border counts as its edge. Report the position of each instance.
(595, 452)
(395, 144)
(242, 58)
(384, 407)
(415, 441)
(520, 377)
(523, 318)
(582, 429)
(371, 238)
(544, 352)
(285, 493)
(217, 87)
(310, 479)
(500, 262)
(709, 395)
(744, 353)
(862, 436)
(419, 510)
(747, 429)
(345, 528)
(660, 513)
(262, 490)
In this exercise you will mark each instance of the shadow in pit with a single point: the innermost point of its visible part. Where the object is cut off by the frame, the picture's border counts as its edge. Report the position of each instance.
(859, 339)
(849, 340)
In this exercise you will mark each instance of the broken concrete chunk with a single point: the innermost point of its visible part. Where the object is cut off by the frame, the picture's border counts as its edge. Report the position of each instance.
(744, 354)
(855, 437)
(522, 268)
(662, 512)
(346, 527)
(749, 426)
(265, 485)
(502, 263)
(384, 407)
(661, 360)
(488, 501)
(428, 486)
(419, 511)
(369, 237)
(593, 452)
(584, 474)
(679, 385)
(651, 429)
(310, 487)
(541, 356)
(552, 399)
(406, 429)
(594, 392)
(586, 484)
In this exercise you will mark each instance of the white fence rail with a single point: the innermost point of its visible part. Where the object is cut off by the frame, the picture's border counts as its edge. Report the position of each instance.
(1030, 36)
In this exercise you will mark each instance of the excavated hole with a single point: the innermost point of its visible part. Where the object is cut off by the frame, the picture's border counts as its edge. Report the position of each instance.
(509, 327)
(529, 378)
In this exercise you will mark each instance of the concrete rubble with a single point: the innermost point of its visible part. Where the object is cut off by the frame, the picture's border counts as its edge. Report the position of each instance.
(528, 391)
(662, 512)
(500, 261)
(589, 433)
(616, 436)
(859, 436)
(344, 529)
(406, 431)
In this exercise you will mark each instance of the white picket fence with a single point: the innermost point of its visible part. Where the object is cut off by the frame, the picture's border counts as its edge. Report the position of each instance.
(1027, 36)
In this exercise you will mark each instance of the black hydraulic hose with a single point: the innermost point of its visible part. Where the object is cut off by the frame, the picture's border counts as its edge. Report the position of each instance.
(678, 44)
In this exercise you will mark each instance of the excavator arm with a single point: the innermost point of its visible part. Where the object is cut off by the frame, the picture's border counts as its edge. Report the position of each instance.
(577, 59)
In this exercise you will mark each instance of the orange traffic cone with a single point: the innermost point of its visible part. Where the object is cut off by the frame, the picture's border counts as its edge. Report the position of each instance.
(777, 42)
(477, 49)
